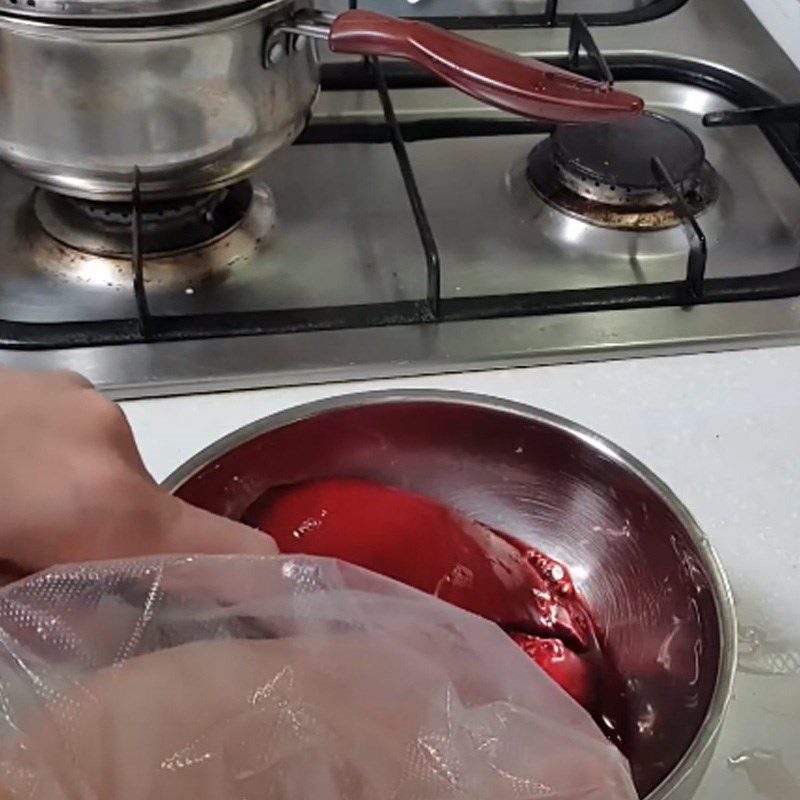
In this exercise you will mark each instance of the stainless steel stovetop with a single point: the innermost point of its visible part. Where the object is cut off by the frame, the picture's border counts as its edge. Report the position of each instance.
(331, 252)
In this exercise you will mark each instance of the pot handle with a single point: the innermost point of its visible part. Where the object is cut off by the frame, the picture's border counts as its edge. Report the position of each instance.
(522, 86)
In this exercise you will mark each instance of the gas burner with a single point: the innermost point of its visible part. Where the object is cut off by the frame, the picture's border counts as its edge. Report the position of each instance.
(602, 173)
(184, 242)
(167, 227)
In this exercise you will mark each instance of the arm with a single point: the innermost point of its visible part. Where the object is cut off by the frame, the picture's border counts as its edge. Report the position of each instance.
(73, 486)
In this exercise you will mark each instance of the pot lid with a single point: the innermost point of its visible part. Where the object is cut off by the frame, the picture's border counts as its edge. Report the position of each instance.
(121, 12)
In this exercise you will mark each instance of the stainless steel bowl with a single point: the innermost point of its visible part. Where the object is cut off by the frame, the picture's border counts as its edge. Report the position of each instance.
(650, 576)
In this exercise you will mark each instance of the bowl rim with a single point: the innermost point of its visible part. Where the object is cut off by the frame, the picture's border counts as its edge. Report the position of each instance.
(696, 756)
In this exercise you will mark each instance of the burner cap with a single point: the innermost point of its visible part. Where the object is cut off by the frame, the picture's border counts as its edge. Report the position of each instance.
(610, 163)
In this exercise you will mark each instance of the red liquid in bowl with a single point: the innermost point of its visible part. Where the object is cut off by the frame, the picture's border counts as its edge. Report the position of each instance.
(424, 544)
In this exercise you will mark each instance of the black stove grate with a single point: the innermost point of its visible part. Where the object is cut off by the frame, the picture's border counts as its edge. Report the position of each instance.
(371, 74)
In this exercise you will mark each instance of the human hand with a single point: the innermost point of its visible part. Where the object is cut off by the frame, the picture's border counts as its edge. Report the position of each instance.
(73, 486)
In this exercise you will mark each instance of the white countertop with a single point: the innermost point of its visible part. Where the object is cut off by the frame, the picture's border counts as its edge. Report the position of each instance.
(723, 429)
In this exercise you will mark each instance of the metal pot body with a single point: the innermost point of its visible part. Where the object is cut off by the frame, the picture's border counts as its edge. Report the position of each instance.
(194, 106)
(649, 575)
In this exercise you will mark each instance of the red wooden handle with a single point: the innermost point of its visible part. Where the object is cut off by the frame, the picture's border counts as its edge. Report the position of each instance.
(520, 85)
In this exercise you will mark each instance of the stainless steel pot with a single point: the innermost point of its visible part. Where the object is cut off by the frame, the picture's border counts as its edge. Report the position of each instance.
(649, 574)
(196, 93)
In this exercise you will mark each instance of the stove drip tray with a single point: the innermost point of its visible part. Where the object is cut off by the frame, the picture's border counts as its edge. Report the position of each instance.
(602, 173)
(183, 241)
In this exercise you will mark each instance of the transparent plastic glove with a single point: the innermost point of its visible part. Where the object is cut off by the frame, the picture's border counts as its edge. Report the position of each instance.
(74, 487)
(325, 681)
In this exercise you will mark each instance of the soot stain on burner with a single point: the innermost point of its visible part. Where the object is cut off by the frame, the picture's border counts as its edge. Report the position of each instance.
(165, 227)
(602, 174)
(625, 218)
(206, 265)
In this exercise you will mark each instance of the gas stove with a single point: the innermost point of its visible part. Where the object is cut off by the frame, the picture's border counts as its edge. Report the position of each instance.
(411, 230)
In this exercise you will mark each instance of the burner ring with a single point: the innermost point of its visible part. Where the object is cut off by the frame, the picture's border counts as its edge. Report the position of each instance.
(602, 174)
(191, 271)
(167, 227)
(611, 163)
(544, 180)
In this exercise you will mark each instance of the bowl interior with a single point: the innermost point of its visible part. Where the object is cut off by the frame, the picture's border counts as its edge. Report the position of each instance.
(646, 579)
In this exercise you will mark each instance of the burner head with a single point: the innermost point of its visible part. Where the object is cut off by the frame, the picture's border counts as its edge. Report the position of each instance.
(166, 227)
(186, 243)
(610, 163)
(602, 173)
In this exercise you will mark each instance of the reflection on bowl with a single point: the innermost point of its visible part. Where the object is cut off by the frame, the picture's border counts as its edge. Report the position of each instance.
(653, 583)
